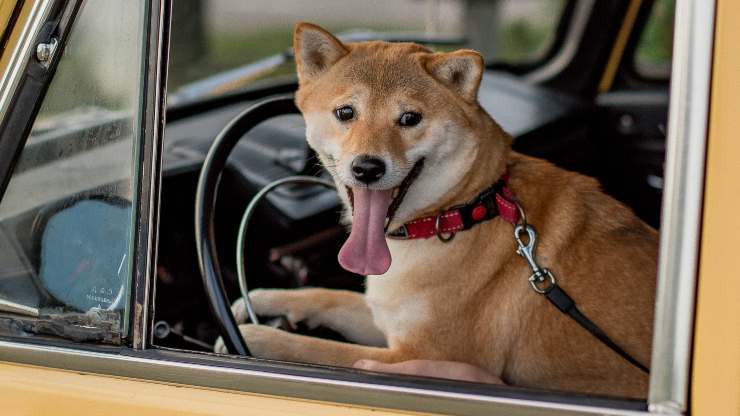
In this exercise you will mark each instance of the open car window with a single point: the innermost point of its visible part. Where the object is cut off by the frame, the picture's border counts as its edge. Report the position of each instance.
(66, 216)
(295, 236)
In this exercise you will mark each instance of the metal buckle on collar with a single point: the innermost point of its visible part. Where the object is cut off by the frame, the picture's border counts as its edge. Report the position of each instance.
(438, 231)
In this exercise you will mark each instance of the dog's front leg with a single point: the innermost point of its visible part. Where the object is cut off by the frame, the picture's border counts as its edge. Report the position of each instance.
(340, 310)
(275, 344)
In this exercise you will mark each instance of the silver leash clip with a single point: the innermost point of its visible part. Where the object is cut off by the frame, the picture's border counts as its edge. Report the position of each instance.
(541, 279)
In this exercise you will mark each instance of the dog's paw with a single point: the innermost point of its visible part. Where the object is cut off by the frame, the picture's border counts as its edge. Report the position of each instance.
(220, 347)
(262, 341)
(271, 343)
(277, 302)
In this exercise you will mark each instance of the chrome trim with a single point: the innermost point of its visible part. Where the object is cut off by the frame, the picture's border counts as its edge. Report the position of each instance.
(300, 387)
(682, 205)
(149, 175)
(578, 24)
(25, 48)
(18, 308)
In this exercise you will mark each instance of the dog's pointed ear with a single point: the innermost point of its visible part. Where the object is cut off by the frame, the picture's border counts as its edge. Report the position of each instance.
(316, 50)
(460, 70)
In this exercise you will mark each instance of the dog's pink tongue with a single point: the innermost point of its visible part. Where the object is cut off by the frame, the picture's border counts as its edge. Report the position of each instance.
(365, 251)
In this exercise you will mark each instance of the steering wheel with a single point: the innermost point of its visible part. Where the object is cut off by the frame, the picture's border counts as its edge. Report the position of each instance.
(205, 204)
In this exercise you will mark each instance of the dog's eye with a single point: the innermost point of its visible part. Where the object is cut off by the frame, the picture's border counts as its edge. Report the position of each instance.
(344, 113)
(409, 119)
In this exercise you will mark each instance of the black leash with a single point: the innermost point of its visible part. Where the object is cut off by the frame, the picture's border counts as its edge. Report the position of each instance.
(567, 305)
(543, 282)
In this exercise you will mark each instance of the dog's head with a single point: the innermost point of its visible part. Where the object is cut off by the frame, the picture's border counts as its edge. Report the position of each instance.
(397, 126)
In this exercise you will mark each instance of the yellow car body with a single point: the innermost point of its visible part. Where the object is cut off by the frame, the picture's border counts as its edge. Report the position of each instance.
(715, 355)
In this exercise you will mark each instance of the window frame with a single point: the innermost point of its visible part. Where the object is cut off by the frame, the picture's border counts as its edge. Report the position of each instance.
(680, 237)
(26, 80)
(678, 260)
(149, 176)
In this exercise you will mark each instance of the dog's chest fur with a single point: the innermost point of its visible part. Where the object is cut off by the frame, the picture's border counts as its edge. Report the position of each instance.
(422, 291)
(397, 312)
(398, 303)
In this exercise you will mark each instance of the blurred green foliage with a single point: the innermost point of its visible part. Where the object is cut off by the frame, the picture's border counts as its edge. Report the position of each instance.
(525, 39)
(227, 50)
(654, 51)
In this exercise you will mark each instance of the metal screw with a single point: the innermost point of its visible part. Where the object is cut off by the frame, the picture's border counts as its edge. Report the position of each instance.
(45, 51)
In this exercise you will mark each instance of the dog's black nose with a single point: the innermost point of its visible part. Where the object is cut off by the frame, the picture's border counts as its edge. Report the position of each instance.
(368, 169)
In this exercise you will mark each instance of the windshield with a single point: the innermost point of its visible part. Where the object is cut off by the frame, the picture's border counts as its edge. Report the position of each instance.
(214, 40)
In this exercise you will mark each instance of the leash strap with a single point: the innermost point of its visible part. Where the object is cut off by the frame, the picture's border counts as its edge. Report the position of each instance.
(567, 305)
(543, 282)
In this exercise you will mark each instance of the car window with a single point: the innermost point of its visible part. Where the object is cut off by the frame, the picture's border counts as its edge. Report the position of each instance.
(654, 51)
(66, 217)
(213, 39)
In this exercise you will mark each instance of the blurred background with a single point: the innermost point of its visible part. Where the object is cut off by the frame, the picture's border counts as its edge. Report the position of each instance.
(211, 36)
(235, 44)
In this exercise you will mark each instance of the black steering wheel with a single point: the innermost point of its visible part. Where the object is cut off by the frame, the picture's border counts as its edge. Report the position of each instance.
(205, 204)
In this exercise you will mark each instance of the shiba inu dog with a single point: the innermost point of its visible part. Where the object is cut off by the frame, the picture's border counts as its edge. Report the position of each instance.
(402, 133)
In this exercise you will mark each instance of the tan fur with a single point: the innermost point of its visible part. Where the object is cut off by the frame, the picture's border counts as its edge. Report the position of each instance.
(467, 300)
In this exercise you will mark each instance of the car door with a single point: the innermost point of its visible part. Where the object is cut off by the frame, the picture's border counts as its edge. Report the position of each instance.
(58, 363)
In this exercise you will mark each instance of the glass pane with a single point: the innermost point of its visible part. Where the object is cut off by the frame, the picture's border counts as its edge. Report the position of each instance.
(66, 218)
(655, 50)
(211, 37)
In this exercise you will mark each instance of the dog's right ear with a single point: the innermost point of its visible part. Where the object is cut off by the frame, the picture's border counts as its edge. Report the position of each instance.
(461, 70)
(316, 50)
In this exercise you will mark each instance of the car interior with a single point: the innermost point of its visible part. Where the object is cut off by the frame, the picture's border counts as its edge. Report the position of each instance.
(615, 135)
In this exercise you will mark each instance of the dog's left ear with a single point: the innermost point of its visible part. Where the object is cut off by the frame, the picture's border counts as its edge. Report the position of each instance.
(316, 50)
(460, 70)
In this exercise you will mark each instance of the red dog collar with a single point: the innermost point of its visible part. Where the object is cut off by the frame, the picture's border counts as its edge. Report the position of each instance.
(495, 201)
